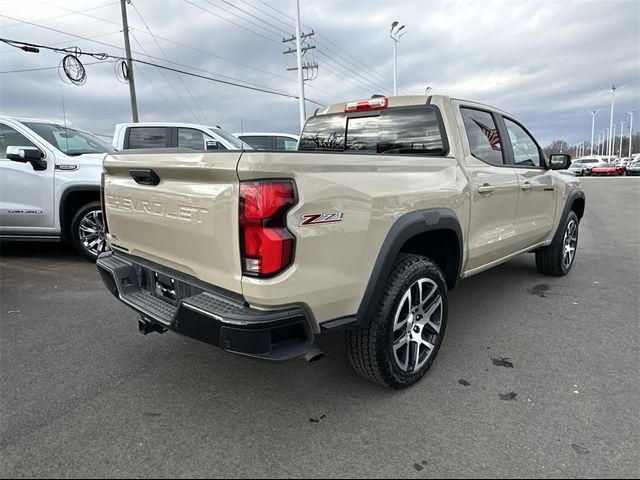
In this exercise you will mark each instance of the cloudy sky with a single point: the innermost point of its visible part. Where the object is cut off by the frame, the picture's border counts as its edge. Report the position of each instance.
(546, 62)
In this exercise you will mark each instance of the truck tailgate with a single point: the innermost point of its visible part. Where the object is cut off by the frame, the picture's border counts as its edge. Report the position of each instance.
(177, 209)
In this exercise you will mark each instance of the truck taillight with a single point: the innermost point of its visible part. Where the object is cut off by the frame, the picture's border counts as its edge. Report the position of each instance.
(379, 103)
(102, 204)
(266, 246)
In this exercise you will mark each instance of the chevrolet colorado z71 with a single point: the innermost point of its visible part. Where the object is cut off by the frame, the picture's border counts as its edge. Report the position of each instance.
(388, 203)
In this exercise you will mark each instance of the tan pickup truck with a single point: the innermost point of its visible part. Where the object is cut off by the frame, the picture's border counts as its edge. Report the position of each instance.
(386, 205)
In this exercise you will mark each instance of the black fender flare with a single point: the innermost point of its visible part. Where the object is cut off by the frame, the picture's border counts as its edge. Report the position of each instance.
(406, 227)
(63, 202)
(571, 198)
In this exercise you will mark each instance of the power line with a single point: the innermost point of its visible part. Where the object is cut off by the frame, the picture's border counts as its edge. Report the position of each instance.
(159, 90)
(363, 65)
(288, 25)
(264, 90)
(43, 68)
(262, 20)
(167, 58)
(188, 47)
(231, 21)
(63, 15)
(164, 67)
(348, 69)
(175, 90)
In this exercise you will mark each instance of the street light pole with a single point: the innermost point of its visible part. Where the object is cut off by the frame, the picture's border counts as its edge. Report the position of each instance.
(601, 146)
(593, 125)
(630, 130)
(621, 133)
(611, 125)
(395, 35)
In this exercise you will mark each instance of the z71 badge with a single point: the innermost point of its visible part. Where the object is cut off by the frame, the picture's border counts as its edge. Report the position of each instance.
(320, 218)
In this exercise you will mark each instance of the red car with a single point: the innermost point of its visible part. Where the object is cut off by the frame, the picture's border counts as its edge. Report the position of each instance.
(609, 169)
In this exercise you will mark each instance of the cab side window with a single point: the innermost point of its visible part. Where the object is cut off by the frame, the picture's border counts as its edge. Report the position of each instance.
(482, 133)
(190, 138)
(284, 143)
(10, 137)
(525, 150)
(148, 137)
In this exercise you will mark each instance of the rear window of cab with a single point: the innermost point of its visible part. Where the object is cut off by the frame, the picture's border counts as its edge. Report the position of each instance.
(412, 130)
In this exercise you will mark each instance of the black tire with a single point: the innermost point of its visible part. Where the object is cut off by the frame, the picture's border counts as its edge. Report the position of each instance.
(552, 260)
(89, 212)
(371, 347)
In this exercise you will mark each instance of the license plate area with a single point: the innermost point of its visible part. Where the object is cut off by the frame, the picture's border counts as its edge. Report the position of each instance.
(164, 288)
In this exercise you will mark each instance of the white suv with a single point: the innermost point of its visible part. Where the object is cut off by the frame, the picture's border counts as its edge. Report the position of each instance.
(50, 183)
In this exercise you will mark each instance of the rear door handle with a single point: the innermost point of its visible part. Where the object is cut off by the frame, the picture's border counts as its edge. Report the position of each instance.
(145, 177)
(486, 188)
(526, 186)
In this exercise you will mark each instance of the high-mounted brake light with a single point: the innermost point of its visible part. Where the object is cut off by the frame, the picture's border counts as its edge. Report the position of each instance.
(363, 105)
(266, 246)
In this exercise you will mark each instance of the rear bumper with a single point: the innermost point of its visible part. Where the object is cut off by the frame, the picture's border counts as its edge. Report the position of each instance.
(204, 312)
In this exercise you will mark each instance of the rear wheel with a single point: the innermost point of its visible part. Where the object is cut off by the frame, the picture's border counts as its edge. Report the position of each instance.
(87, 231)
(399, 344)
(557, 259)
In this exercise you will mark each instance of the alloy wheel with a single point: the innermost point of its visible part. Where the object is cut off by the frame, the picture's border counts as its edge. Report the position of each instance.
(91, 233)
(416, 326)
(569, 244)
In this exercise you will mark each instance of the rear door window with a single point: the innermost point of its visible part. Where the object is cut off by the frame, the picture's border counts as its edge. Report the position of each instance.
(148, 137)
(483, 137)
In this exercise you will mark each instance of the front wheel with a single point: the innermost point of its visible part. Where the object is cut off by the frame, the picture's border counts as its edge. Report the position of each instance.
(87, 231)
(557, 259)
(398, 345)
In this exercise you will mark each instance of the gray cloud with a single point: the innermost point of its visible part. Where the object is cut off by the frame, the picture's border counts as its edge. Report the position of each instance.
(544, 61)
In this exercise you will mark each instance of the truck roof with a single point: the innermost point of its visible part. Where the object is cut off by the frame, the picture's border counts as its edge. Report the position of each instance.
(404, 101)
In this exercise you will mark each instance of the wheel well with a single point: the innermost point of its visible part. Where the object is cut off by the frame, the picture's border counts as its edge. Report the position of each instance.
(72, 202)
(441, 246)
(578, 207)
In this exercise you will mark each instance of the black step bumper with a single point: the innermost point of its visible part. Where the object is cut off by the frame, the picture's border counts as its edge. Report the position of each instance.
(204, 312)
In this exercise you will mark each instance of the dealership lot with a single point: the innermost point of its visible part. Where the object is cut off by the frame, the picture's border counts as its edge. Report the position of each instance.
(537, 376)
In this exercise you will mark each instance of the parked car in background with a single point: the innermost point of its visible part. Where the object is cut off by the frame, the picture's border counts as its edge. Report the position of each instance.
(579, 169)
(610, 169)
(269, 141)
(50, 183)
(633, 168)
(589, 163)
(127, 136)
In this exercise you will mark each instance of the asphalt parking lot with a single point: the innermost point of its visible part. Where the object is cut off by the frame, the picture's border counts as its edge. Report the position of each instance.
(538, 376)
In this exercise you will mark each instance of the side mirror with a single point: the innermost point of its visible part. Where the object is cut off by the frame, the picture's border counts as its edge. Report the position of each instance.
(32, 155)
(212, 145)
(559, 161)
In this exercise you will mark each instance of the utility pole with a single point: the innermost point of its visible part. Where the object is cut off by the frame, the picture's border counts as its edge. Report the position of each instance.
(301, 68)
(127, 47)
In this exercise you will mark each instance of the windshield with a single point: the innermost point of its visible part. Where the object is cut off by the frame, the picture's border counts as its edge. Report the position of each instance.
(68, 140)
(400, 130)
(232, 139)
